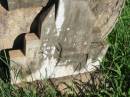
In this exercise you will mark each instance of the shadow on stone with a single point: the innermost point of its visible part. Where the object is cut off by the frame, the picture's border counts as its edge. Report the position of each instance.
(4, 3)
(5, 58)
(37, 23)
(19, 42)
(56, 7)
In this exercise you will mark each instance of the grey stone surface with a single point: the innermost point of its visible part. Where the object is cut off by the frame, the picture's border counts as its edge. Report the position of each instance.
(81, 29)
(16, 4)
(72, 36)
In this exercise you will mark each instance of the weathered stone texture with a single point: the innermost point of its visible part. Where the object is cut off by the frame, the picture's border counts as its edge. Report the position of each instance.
(80, 31)
(16, 4)
(71, 41)
(106, 13)
(14, 23)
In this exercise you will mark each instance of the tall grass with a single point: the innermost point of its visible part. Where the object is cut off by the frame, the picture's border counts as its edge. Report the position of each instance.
(115, 67)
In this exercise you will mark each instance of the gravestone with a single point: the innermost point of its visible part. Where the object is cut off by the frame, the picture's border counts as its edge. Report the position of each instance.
(78, 41)
(70, 36)
(73, 39)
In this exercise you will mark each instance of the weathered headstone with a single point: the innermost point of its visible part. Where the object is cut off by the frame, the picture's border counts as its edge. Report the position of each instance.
(72, 38)
(74, 41)
(79, 40)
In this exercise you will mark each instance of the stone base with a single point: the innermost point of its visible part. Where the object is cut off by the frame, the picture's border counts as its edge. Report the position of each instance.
(20, 61)
(53, 71)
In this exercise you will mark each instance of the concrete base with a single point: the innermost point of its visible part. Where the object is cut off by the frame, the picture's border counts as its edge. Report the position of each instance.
(50, 70)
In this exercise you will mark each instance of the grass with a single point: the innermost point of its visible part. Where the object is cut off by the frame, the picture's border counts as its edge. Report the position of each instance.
(115, 69)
